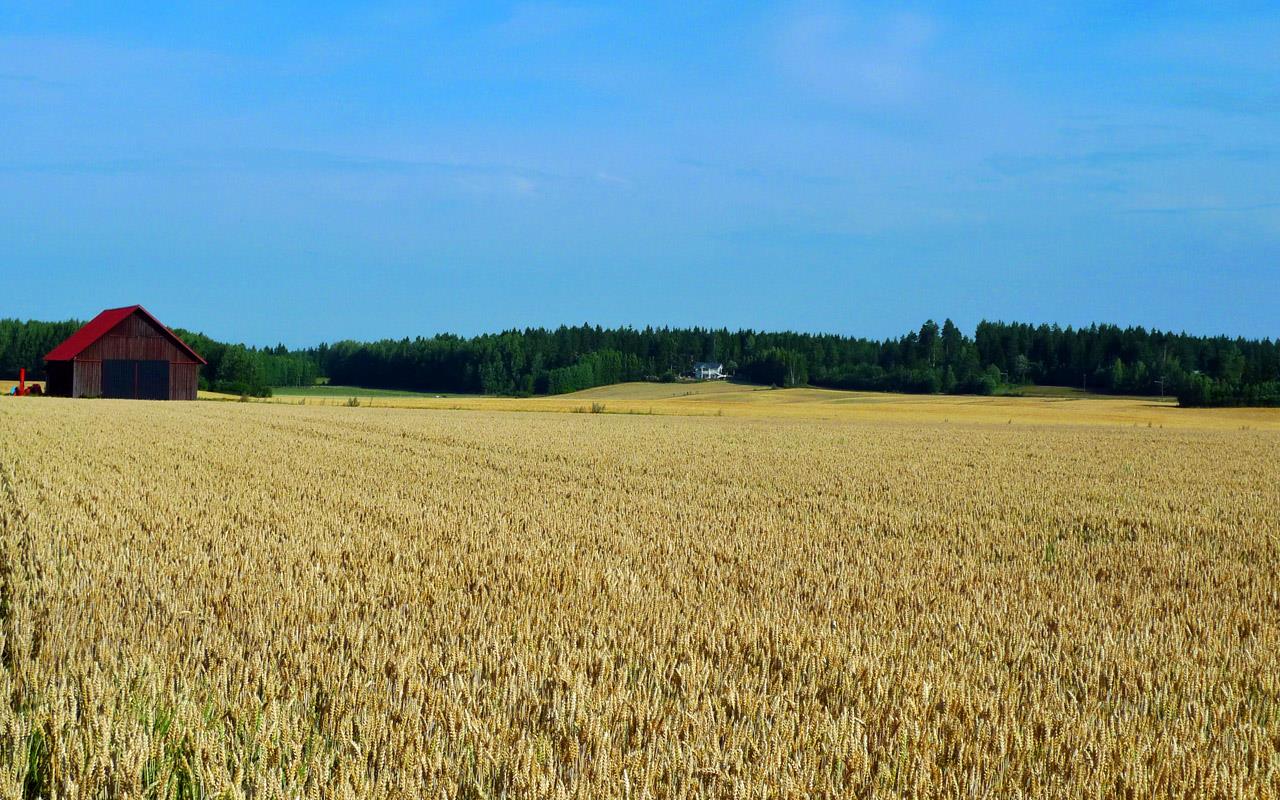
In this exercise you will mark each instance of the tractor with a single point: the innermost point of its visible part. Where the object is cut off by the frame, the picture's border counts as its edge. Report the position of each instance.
(22, 389)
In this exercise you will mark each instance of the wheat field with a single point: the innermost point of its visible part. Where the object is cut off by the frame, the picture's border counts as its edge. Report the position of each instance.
(261, 600)
(721, 399)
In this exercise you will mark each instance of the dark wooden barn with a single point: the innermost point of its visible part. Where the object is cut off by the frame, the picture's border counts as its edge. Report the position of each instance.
(124, 353)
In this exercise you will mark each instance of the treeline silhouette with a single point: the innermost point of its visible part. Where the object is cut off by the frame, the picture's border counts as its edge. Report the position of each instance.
(23, 344)
(239, 369)
(936, 358)
(1199, 370)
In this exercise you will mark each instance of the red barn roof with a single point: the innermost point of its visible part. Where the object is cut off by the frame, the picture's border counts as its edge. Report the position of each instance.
(102, 324)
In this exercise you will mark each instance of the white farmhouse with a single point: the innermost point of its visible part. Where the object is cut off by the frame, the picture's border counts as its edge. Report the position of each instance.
(709, 371)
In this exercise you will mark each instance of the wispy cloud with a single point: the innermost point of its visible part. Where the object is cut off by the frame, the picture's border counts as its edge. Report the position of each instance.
(62, 60)
(856, 58)
(472, 177)
(782, 173)
(1253, 154)
(1226, 101)
(6, 77)
(1245, 43)
(283, 159)
(1224, 65)
(497, 184)
(610, 179)
(1094, 159)
(532, 22)
(1194, 208)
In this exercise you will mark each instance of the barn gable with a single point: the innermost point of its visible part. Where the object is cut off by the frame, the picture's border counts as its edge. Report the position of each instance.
(118, 322)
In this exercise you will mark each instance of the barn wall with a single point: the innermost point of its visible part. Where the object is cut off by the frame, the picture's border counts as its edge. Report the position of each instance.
(183, 379)
(87, 379)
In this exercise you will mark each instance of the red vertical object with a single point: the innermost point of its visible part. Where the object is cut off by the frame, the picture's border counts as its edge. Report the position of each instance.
(22, 380)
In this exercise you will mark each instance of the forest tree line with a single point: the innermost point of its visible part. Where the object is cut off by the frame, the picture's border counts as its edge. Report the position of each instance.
(937, 358)
(1200, 370)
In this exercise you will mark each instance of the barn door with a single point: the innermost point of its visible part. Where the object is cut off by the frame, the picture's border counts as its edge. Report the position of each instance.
(153, 380)
(131, 379)
(117, 378)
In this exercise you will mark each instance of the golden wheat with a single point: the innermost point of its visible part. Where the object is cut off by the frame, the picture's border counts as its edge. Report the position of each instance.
(252, 600)
(741, 400)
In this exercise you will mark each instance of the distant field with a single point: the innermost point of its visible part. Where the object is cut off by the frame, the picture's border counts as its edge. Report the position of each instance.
(345, 392)
(665, 391)
(1072, 393)
(620, 391)
(1060, 407)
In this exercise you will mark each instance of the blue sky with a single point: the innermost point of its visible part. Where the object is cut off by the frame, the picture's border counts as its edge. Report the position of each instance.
(301, 172)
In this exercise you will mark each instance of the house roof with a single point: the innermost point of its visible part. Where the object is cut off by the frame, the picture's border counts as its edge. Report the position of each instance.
(102, 324)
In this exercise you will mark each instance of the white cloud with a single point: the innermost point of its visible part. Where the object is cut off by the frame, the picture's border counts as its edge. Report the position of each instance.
(609, 179)
(531, 22)
(498, 185)
(857, 59)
